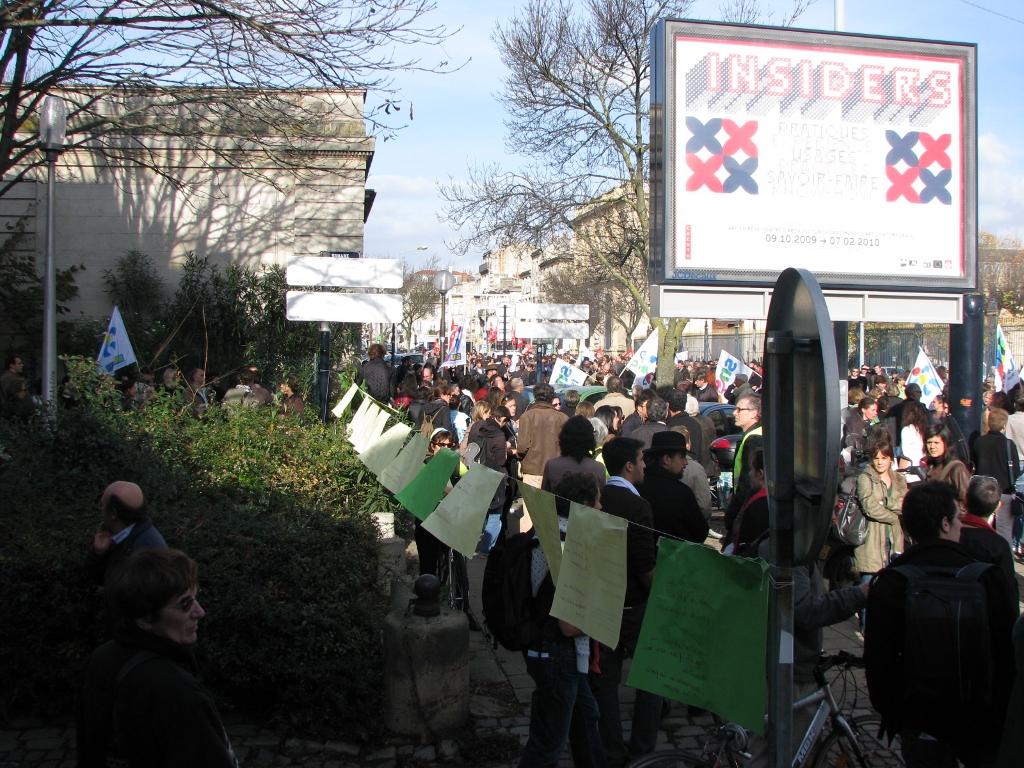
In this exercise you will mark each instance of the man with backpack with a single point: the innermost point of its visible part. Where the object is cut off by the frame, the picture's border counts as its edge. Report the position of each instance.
(937, 651)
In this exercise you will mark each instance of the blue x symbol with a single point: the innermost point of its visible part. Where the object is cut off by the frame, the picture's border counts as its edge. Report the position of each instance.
(740, 175)
(902, 149)
(935, 186)
(704, 135)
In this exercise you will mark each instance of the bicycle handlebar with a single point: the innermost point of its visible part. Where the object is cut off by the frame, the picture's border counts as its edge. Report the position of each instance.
(843, 658)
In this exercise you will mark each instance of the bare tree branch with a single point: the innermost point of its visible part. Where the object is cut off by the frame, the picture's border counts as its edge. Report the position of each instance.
(199, 72)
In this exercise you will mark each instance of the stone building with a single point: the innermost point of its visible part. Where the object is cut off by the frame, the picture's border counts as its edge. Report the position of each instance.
(245, 199)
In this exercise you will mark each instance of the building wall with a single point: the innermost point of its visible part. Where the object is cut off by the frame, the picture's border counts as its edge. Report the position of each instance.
(316, 204)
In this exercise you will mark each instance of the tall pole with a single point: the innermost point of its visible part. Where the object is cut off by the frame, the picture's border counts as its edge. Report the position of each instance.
(504, 329)
(325, 368)
(50, 291)
(441, 336)
(966, 366)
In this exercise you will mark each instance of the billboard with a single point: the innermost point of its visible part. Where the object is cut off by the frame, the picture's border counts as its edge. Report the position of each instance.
(851, 156)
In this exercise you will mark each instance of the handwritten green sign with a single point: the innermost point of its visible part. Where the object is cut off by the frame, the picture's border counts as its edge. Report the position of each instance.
(427, 488)
(704, 636)
(591, 583)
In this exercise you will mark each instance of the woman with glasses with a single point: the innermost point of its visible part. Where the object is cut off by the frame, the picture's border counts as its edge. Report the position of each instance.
(140, 690)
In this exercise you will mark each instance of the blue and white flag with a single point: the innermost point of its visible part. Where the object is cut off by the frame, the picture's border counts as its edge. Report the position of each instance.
(645, 362)
(116, 351)
(1007, 375)
(585, 353)
(923, 374)
(567, 375)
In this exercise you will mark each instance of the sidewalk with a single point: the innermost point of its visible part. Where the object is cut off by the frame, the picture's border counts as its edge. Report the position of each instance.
(499, 705)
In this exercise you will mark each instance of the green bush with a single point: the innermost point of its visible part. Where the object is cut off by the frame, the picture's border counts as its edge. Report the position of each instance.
(275, 511)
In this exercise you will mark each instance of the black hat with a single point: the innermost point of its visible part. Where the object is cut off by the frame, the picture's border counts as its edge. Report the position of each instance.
(667, 441)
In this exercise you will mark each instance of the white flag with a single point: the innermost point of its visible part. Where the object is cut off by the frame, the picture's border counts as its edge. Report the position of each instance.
(924, 375)
(728, 368)
(116, 351)
(645, 361)
(585, 353)
(1007, 375)
(456, 354)
(567, 375)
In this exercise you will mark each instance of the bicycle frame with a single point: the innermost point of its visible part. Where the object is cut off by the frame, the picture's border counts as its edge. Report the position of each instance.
(826, 709)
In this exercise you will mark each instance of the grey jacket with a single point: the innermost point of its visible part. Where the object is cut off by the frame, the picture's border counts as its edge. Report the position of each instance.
(814, 609)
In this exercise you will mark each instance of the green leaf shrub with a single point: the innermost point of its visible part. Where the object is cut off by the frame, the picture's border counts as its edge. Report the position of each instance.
(276, 512)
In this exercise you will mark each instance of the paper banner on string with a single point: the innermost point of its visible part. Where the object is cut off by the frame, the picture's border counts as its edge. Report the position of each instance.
(459, 518)
(406, 465)
(591, 584)
(705, 632)
(363, 424)
(728, 368)
(422, 494)
(345, 401)
(923, 374)
(382, 452)
(541, 506)
(116, 351)
(373, 430)
(1007, 376)
(357, 418)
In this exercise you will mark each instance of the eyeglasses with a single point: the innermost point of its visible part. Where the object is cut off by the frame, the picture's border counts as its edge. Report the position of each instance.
(445, 445)
(745, 409)
(186, 605)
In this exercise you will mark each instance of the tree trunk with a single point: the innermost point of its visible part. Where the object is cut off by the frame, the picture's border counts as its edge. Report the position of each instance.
(670, 330)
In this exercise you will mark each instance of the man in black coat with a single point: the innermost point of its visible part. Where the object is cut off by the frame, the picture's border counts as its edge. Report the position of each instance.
(378, 375)
(125, 528)
(623, 457)
(677, 416)
(673, 505)
(935, 733)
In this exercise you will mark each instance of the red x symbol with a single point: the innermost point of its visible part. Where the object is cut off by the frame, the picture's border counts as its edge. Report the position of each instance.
(901, 184)
(704, 173)
(934, 150)
(740, 138)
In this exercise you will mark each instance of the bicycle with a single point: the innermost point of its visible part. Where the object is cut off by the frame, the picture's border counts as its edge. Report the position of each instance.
(851, 742)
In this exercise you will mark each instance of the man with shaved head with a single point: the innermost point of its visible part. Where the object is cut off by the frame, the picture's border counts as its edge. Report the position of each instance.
(125, 528)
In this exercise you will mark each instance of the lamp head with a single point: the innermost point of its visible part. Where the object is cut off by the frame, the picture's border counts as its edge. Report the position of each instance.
(53, 122)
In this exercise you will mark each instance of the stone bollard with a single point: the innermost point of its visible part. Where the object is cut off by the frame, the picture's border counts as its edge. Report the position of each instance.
(426, 666)
(390, 560)
(385, 524)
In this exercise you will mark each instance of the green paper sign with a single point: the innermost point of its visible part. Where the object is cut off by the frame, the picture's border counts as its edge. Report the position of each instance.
(400, 472)
(705, 633)
(421, 495)
(378, 456)
(545, 522)
(591, 584)
(459, 518)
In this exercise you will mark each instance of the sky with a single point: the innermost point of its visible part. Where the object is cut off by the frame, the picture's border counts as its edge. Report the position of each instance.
(458, 123)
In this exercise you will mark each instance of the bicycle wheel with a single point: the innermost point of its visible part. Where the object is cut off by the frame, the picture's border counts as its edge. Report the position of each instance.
(837, 752)
(676, 758)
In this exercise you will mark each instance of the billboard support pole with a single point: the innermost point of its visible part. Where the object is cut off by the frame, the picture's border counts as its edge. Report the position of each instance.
(966, 345)
(841, 332)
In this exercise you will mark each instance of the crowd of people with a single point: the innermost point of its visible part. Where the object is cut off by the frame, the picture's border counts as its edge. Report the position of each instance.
(933, 503)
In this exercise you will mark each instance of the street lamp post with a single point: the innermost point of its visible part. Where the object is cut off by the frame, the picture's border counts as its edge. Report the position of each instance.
(52, 128)
(443, 282)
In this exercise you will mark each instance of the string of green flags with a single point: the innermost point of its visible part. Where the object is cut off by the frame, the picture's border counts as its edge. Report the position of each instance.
(704, 636)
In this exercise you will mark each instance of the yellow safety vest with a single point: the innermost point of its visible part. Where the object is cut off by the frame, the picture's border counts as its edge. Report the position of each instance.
(737, 463)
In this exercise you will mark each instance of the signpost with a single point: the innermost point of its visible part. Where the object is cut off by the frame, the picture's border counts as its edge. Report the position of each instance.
(552, 321)
(326, 307)
(801, 418)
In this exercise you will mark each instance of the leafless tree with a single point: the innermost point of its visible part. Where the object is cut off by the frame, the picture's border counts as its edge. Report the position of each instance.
(216, 76)
(576, 98)
(419, 297)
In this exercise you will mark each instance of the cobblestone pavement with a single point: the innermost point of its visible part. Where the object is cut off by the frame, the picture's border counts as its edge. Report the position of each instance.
(499, 707)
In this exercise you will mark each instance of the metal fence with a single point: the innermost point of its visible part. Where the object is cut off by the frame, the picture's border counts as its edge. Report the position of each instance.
(883, 345)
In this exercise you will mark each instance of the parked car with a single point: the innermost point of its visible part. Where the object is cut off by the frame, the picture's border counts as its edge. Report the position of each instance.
(723, 448)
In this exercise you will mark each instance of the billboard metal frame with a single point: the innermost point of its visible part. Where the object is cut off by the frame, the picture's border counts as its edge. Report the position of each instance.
(667, 107)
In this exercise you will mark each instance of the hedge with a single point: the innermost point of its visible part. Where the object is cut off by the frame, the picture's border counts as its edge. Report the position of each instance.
(276, 512)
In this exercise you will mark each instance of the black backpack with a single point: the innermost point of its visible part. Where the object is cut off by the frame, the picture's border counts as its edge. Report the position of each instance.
(947, 653)
(510, 611)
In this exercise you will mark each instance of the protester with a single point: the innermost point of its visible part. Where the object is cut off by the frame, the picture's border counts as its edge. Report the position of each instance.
(624, 459)
(562, 706)
(292, 402)
(941, 717)
(976, 533)
(378, 376)
(748, 418)
(140, 691)
(538, 434)
(943, 465)
(996, 456)
(674, 506)
(576, 445)
(616, 396)
(125, 528)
